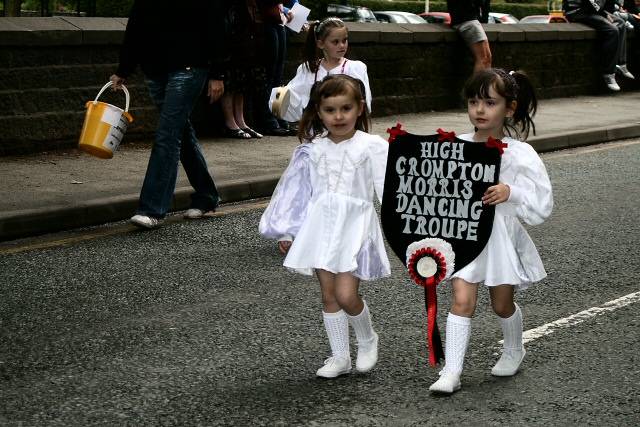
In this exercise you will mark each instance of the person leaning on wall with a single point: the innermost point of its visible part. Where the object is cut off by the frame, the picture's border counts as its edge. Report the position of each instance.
(466, 18)
(179, 46)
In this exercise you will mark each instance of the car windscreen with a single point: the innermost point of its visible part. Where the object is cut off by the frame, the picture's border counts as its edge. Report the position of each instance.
(366, 15)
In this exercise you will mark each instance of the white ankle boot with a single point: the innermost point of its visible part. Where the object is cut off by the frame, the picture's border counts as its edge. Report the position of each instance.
(367, 340)
(458, 331)
(334, 367)
(512, 349)
(367, 355)
(448, 383)
(337, 327)
(509, 363)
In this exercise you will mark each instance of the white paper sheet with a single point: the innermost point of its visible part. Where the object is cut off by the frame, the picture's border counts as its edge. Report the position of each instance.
(300, 15)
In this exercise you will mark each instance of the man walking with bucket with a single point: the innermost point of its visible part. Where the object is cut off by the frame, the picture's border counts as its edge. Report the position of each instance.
(179, 46)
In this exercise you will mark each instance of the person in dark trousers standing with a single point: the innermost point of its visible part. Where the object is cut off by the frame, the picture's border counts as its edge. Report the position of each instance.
(273, 16)
(179, 46)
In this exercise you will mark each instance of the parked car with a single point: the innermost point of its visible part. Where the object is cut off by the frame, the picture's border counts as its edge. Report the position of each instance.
(543, 19)
(502, 18)
(445, 18)
(351, 13)
(436, 17)
(398, 17)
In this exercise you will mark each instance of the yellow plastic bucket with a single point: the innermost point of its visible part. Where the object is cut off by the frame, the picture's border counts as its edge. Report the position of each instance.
(104, 126)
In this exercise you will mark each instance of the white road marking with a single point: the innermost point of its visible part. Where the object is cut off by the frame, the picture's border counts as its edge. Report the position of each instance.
(549, 328)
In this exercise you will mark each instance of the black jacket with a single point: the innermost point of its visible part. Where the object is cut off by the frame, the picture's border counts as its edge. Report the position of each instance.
(576, 9)
(164, 35)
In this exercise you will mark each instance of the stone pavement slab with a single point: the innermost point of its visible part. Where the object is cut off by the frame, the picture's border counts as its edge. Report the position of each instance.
(60, 190)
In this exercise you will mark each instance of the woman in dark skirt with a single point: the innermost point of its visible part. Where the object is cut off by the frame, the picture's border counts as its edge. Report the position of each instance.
(246, 70)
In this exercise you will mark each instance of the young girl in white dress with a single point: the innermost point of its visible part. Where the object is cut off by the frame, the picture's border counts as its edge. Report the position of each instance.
(323, 216)
(500, 102)
(325, 50)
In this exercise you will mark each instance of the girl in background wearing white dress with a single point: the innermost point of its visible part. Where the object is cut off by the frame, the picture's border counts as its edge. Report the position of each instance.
(323, 216)
(499, 102)
(325, 49)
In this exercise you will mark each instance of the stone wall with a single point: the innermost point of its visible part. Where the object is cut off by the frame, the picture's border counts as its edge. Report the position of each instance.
(50, 67)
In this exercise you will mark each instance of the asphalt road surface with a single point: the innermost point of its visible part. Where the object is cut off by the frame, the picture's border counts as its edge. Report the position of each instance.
(197, 323)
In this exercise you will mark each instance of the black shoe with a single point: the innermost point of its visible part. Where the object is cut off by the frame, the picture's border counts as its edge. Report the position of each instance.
(235, 133)
(252, 132)
(275, 132)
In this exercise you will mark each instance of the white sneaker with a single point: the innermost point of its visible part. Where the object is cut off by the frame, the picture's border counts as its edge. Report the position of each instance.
(447, 384)
(622, 69)
(610, 81)
(144, 221)
(194, 213)
(367, 355)
(509, 363)
(334, 367)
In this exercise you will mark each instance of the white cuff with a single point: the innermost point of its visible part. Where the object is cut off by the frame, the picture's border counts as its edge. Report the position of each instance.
(286, 238)
(516, 195)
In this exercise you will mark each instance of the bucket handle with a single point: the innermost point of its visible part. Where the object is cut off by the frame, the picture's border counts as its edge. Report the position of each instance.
(126, 94)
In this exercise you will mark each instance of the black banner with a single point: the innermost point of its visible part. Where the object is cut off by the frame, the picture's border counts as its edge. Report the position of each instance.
(433, 188)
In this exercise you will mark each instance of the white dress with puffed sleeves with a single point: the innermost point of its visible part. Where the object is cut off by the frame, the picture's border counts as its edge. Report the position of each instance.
(510, 256)
(300, 86)
(324, 202)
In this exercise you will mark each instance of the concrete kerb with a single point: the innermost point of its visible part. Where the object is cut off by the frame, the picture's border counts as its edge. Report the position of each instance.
(32, 222)
(18, 224)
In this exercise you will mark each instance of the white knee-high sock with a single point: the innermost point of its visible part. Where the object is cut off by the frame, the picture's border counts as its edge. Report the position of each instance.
(337, 327)
(362, 326)
(457, 340)
(512, 330)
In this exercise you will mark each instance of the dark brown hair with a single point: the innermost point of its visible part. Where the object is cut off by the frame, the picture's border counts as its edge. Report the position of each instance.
(513, 86)
(318, 30)
(310, 125)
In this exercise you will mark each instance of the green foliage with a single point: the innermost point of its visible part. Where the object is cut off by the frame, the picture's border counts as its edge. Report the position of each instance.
(116, 7)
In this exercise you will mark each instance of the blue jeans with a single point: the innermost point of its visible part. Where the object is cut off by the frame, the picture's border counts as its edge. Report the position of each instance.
(175, 94)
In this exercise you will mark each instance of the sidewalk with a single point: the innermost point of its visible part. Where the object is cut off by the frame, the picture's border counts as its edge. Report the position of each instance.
(58, 191)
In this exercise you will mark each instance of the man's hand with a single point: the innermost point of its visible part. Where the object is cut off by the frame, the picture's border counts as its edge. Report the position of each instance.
(215, 90)
(283, 246)
(496, 194)
(117, 82)
(290, 16)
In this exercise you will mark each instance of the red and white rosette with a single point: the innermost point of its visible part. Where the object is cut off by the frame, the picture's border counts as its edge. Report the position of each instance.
(430, 261)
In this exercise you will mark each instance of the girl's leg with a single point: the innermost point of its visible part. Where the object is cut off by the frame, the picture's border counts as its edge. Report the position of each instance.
(511, 321)
(359, 318)
(337, 327)
(465, 296)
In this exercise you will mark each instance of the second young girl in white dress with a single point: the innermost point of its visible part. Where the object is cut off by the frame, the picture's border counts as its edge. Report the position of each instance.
(326, 47)
(323, 216)
(499, 102)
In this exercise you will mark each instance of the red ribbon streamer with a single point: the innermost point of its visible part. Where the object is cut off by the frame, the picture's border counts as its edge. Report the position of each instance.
(496, 143)
(395, 131)
(431, 302)
(434, 342)
(445, 136)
